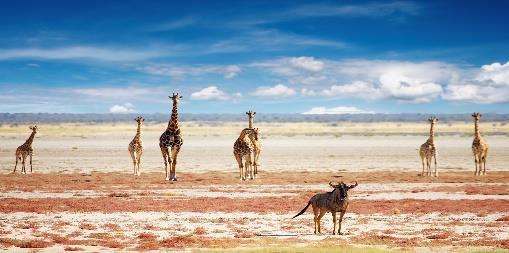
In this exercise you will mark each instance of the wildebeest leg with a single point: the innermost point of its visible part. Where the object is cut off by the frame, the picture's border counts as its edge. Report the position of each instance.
(334, 221)
(340, 220)
(322, 213)
(316, 211)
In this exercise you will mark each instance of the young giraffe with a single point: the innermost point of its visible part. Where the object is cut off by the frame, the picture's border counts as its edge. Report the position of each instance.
(171, 141)
(244, 148)
(479, 147)
(428, 150)
(136, 147)
(257, 144)
(25, 150)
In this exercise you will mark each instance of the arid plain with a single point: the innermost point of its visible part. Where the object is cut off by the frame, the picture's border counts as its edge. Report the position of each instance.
(83, 196)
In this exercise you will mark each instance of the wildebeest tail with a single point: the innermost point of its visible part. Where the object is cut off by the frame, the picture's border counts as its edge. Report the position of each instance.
(303, 210)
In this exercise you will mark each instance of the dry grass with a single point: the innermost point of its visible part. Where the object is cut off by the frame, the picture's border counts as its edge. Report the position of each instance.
(276, 128)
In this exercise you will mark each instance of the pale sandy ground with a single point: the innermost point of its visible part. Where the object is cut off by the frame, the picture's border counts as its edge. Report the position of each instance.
(99, 152)
(87, 149)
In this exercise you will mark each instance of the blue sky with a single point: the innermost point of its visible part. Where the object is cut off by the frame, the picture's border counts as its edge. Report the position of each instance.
(270, 56)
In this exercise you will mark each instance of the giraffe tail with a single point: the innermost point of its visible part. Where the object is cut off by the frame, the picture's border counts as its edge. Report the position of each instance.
(303, 210)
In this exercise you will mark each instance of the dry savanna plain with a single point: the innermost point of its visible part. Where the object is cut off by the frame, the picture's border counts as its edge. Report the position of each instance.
(82, 195)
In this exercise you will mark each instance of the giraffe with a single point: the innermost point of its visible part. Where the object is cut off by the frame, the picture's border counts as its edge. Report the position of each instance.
(243, 148)
(256, 143)
(135, 147)
(25, 150)
(171, 141)
(428, 150)
(479, 147)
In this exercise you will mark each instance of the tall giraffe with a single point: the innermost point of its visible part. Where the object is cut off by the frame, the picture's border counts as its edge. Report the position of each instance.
(136, 147)
(428, 150)
(171, 141)
(479, 147)
(25, 150)
(243, 148)
(256, 143)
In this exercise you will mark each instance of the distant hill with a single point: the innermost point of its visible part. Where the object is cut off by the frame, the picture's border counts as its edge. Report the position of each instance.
(260, 117)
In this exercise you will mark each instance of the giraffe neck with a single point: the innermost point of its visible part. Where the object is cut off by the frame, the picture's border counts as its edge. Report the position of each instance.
(138, 131)
(431, 138)
(30, 139)
(250, 122)
(174, 120)
(477, 133)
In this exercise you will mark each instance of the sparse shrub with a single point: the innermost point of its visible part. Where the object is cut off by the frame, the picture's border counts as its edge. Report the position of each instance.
(200, 231)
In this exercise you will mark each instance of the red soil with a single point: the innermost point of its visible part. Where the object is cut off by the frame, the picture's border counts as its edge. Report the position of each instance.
(118, 181)
(260, 205)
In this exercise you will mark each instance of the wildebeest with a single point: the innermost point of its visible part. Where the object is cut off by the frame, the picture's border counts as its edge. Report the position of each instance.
(334, 201)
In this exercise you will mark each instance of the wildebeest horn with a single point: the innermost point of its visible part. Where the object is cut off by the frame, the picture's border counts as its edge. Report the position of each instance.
(353, 186)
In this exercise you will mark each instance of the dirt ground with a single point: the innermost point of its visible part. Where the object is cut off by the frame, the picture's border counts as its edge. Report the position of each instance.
(111, 211)
(83, 196)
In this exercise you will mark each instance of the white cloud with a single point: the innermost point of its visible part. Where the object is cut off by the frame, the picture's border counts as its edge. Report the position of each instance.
(214, 93)
(416, 82)
(82, 52)
(490, 84)
(173, 25)
(129, 92)
(277, 91)
(362, 10)
(231, 71)
(175, 71)
(307, 63)
(336, 110)
(124, 108)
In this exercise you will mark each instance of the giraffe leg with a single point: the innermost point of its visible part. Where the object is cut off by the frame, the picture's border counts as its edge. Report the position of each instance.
(484, 165)
(133, 157)
(475, 162)
(174, 154)
(239, 161)
(164, 152)
(15, 165)
(436, 169)
(31, 170)
(23, 170)
(334, 221)
(138, 162)
(422, 161)
(340, 221)
(247, 166)
(250, 162)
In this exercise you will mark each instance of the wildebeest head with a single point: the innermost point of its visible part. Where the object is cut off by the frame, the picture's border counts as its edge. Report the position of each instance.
(342, 188)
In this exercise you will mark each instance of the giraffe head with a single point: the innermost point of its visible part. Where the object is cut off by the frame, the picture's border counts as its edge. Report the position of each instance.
(33, 128)
(139, 119)
(251, 114)
(477, 116)
(433, 120)
(176, 98)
